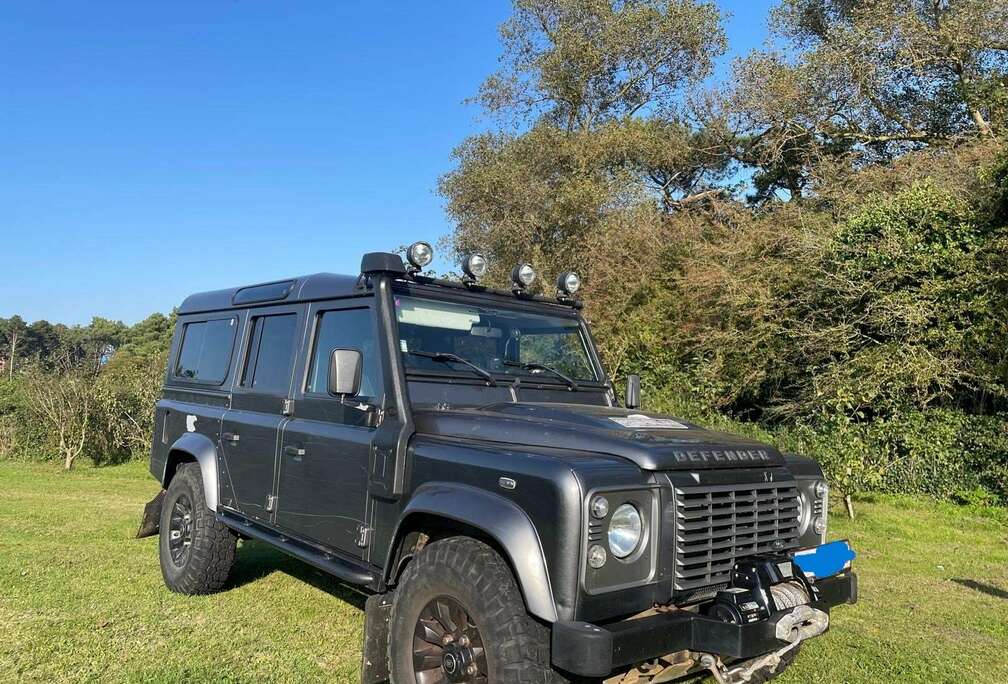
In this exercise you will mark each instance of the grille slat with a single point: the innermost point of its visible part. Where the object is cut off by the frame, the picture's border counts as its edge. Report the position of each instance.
(718, 525)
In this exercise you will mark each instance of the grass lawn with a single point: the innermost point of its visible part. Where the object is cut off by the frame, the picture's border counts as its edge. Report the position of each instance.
(80, 600)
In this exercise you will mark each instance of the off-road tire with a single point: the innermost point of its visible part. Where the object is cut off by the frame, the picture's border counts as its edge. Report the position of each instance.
(475, 576)
(206, 566)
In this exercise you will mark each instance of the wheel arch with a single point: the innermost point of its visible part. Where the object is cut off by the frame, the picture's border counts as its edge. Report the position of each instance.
(192, 447)
(446, 509)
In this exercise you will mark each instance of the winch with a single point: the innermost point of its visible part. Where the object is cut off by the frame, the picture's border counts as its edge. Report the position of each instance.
(761, 588)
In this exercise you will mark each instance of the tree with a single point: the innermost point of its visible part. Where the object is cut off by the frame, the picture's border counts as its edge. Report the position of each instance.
(12, 336)
(878, 78)
(64, 402)
(593, 98)
(580, 63)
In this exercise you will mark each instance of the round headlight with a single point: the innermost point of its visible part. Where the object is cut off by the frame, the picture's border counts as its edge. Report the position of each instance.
(625, 530)
(596, 556)
(569, 282)
(475, 266)
(821, 489)
(819, 525)
(420, 254)
(600, 507)
(523, 275)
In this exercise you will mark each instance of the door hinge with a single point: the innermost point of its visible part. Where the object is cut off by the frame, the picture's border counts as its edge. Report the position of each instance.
(271, 502)
(288, 407)
(364, 535)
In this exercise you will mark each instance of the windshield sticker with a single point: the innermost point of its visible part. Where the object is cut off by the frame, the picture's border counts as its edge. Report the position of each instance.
(431, 314)
(638, 421)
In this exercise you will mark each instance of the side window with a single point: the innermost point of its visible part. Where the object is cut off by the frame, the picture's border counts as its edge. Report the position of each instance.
(270, 357)
(205, 353)
(346, 329)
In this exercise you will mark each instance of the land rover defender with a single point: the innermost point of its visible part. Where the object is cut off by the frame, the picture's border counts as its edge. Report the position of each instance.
(458, 453)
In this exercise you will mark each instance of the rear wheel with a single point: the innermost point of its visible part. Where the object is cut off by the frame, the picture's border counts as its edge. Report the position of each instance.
(458, 617)
(196, 551)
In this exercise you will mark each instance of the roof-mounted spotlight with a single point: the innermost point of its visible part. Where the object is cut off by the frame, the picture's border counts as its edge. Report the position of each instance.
(419, 254)
(474, 267)
(522, 275)
(568, 283)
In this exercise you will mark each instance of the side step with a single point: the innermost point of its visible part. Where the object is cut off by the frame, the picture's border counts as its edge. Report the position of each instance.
(351, 572)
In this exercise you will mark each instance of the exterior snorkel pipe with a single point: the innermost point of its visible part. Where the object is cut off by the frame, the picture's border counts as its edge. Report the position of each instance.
(388, 460)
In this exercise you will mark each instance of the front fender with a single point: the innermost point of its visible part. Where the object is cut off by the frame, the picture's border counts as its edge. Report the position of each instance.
(500, 519)
(193, 445)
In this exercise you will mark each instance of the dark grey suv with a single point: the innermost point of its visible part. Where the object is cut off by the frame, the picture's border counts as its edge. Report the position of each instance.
(458, 453)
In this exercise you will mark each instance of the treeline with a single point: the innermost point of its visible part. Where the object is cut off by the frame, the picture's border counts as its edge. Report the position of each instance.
(80, 391)
(812, 249)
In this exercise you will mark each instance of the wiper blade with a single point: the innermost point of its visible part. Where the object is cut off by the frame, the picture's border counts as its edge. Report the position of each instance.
(448, 357)
(571, 385)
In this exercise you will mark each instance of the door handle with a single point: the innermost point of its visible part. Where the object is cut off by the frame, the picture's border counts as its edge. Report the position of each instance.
(296, 451)
(232, 437)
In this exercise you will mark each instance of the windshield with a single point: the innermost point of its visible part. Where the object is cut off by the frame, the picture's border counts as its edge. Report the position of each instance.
(496, 339)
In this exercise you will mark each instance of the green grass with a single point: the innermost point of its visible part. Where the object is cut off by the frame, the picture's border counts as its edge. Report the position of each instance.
(80, 600)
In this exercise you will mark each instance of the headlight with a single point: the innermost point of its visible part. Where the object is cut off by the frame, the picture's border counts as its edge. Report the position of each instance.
(625, 530)
(821, 489)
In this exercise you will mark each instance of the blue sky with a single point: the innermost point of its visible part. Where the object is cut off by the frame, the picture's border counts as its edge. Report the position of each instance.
(153, 149)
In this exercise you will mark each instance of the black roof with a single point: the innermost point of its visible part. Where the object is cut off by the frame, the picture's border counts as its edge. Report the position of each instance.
(332, 285)
(300, 289)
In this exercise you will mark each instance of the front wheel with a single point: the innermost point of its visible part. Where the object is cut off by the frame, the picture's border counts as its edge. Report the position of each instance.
(458, 617)
(196, 550)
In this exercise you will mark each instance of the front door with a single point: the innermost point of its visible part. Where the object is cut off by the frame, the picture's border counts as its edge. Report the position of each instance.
(324, 458)
(251, 427)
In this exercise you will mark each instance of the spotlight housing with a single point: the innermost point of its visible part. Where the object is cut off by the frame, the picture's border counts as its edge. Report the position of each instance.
(420, 254)
(475, 267)
(523, 275)
(568, 283)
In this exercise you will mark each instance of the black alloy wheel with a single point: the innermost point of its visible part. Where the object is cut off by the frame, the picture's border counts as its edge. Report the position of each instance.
(196, 550)
(180, 530)
(447, 646)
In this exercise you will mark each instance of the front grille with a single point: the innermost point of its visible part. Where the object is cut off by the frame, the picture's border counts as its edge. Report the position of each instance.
(717, 525)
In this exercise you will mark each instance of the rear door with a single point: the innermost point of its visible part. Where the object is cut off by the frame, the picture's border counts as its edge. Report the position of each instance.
(250, 430)
(324, 459)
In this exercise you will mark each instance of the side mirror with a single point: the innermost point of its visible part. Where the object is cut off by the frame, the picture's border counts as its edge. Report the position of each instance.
(344, 372)
(633, 391)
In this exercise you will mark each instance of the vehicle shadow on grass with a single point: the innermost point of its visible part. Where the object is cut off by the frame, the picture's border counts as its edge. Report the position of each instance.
(982, 587)
(255, 560)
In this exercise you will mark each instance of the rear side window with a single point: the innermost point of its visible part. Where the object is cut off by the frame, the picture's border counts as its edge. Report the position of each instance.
(270, 360)
(205, 354)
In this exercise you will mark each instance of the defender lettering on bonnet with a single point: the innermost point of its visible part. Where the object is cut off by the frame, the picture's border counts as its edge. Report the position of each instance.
(722, 455)
(377, 426)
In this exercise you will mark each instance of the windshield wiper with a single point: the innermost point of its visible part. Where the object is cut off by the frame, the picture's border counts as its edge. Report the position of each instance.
(448, 357)
(571, 385)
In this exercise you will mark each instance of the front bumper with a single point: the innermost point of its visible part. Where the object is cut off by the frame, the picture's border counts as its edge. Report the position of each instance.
(590, 650)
